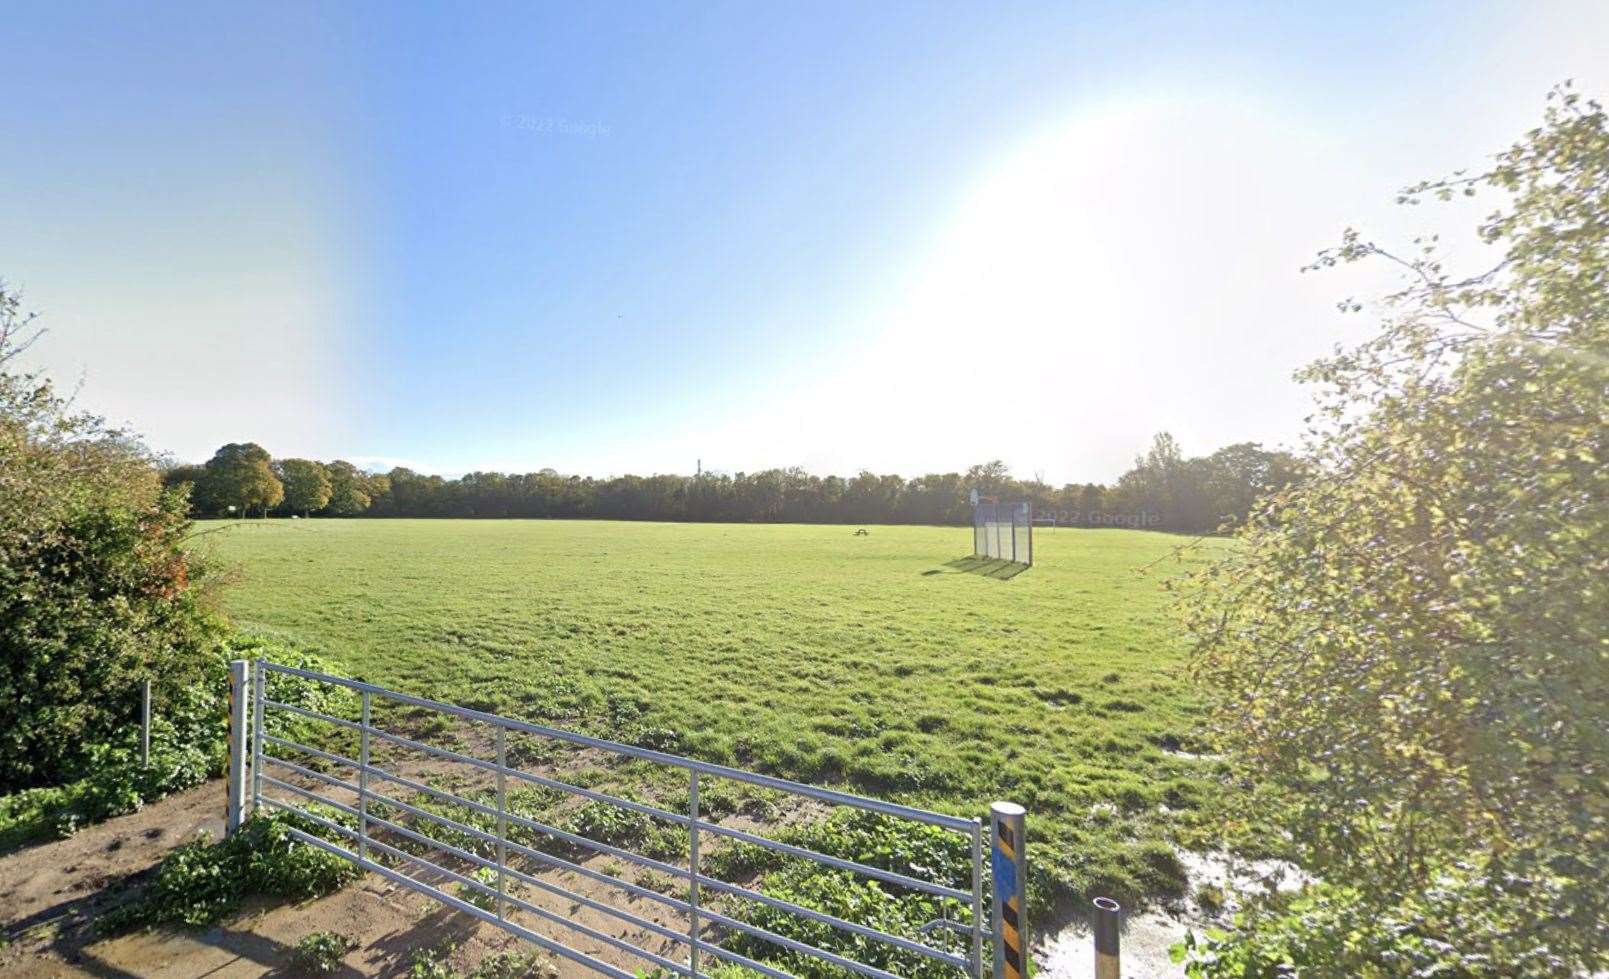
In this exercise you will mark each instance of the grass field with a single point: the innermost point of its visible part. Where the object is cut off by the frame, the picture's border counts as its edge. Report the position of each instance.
(878, 662)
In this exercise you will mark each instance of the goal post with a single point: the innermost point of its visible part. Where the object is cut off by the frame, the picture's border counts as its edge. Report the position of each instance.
(1003, 531)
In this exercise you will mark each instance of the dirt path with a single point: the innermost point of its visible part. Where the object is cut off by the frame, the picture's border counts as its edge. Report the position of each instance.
(51, 893)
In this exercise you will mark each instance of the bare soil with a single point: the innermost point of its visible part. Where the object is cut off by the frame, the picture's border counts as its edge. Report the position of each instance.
(51, 894)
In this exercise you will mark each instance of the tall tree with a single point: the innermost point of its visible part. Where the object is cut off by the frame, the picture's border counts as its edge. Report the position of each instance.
(307, 487)
(349, 490)
(1236, 475)
(1413, 637)
(240, 474)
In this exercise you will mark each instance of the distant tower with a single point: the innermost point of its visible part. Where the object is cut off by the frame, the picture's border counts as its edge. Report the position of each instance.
(700, 474)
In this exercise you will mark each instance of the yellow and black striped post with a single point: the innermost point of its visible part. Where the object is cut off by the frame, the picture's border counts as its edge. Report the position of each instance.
(1007, 861)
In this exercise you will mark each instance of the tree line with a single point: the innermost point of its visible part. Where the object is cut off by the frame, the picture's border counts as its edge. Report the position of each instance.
(1164, 490)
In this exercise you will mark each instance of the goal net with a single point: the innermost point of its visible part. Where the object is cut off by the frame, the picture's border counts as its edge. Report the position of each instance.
(1003, 532)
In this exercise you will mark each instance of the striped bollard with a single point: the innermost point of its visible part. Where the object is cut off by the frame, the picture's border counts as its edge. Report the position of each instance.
(1009, 866)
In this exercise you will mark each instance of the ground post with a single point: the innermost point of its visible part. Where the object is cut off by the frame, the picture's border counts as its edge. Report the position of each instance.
(239, 694)
(145, 723)
(1008, 863)
(1107, 963)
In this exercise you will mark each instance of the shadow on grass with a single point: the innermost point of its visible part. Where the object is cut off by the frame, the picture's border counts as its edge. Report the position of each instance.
(997, 568)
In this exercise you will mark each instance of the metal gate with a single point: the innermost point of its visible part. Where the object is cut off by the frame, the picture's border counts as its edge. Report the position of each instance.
(280, 773)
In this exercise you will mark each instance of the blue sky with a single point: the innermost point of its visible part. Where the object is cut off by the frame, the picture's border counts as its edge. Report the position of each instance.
(611, 239)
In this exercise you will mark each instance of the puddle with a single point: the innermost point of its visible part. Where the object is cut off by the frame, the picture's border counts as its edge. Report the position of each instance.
(1146, 938)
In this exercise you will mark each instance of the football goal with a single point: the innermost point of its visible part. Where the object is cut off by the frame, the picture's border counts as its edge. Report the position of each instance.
(1003, 531)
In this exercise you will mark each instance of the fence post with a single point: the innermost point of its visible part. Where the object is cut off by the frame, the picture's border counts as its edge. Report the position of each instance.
(145, 723)
(1008, 862)
(692, 866)
(1013, 535)
(239, 692)
(1107, 963)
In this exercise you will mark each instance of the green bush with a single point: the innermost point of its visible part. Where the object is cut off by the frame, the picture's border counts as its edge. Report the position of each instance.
(189, 743)
(1467, 924)
(119, 785)
(1409, 643)
(97, 591)
(200, 882)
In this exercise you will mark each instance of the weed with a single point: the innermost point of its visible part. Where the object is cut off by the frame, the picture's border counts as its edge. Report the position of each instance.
(480, 898)
(514, 965)
(322, 951)
(199, 882)
(433, 962)
(625, 828)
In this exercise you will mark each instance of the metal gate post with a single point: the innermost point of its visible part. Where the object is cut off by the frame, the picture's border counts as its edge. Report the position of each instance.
(363, 775)
(1007, 861)
(692, 866)
(259, 686)
(239, 693)
(975, 959)
(502, 821)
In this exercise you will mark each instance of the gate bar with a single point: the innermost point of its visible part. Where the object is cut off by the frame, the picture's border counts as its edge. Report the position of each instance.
(666, 868)
(560, 863)
(890, 876)
(850, 964)
(957, 823)
(541, 941)
(693, 820)
(692, 866)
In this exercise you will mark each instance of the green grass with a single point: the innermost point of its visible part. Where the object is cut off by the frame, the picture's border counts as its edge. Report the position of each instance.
(872, 662)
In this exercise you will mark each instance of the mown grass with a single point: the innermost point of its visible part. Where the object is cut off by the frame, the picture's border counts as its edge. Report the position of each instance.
(875, 662)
